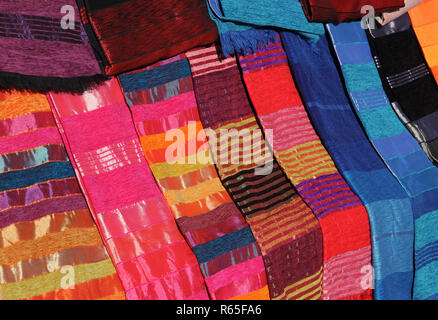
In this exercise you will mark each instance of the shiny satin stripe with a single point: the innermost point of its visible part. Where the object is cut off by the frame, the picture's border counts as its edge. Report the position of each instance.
(29, 195)
(26, 123)
(50, 263)
(15, 105)
(193, 193)
(109, 158)
(41, 209)
(188, 179)
(52, 281)
(38, 228)
(29, 140)
(108, 288)
(52, 242)
(32, 158)
(173, 121)
(259, 294)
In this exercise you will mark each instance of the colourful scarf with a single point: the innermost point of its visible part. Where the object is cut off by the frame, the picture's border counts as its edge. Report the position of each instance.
(309, 167)
(151, 256)
(39, 53)
(285, 228)
(165, 113)
(344, 10)
(397, 147)
(239, 22)
(50, 247)
(424, 19)
(133, 33)
(408, 82)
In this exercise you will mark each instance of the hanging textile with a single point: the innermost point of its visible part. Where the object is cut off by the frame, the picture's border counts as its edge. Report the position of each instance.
(285, 228)
(50, 247)
(151, 256)
(308, 165)
(397, 148)
(129, 34)
(387, 17)
(341, 10)
(407, 81)
(425, 23)
(164, 110)
(43, 49)
(239, 22)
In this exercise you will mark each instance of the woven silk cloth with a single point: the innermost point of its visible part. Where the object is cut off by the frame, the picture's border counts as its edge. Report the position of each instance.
(322, 93)
(397, 148)
(150, 254)
(408, 82)
(309, 167)
(288, 233)
(39, 53)
(341, 10)
(129, 34)
(165, 113)
(389, 206)
(239, 22)
(425, 23)
(50, 247)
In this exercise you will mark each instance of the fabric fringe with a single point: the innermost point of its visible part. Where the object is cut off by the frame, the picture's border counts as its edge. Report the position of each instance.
(245, 42)
(34, 84)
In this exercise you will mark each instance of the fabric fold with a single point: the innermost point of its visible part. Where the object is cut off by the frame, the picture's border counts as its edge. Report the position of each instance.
(50, 247)
(310, 168)
(396, 146)
(288, 233)
(149, 252)
(164, 109)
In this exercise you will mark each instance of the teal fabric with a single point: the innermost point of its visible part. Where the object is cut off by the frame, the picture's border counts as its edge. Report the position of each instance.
(242, 24)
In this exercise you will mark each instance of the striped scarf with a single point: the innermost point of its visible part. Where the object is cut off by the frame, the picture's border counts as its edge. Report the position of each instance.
(408, 82)
(397, 147)
(50, 247)
(425, 23)
(151, 256)
(42, 49)
(239, 22)
(285, 228)
(129, 34)
(321, 89)
(309, 167)
(342, 10)
(163, 106)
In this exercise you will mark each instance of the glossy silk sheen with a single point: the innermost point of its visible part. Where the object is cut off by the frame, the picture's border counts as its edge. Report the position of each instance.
(150, 254)
(50, 247)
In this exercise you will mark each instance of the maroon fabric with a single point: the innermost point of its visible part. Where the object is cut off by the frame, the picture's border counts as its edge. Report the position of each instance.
(345, 10)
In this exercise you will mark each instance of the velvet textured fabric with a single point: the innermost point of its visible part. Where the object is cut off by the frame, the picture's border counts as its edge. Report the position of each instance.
(342, 10)
(397, 147)
(310, 168)
(129, 34)
(50, 247)
(40, 53)
(288, 233)
(150, 254)
(239, 22)
(408, 82)
(165, 114)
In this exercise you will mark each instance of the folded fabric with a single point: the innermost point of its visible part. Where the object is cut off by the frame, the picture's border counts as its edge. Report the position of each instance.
(387, 17)
(129, 34)
(39, 53)
(50, 247)
(288, 233)
(310, 168)
(407, 80)
(341, 10)
(150, 254)
(165, 114)
(396, 146)
(239, 22)
(424, 19)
